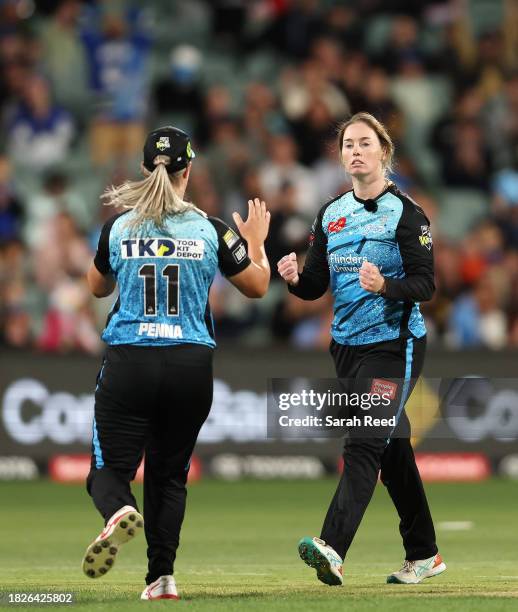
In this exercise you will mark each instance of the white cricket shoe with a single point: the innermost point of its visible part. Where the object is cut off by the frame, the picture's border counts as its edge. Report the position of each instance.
(414, 572)
(163, 588)
(123, 526)
(317, 554)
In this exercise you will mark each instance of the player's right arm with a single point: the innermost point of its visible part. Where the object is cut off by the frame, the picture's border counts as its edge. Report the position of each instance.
(313, 281)
(100, 277)
(247, 271)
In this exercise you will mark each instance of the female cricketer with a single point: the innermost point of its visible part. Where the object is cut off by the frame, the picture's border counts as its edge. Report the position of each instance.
(373, 246)
(154, 390)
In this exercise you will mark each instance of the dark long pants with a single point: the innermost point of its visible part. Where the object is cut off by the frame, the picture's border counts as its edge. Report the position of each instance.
(400, 361)
(150, 400)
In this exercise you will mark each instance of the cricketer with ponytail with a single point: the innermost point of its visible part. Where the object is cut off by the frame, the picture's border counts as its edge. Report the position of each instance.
(154, 389)
(373, 247)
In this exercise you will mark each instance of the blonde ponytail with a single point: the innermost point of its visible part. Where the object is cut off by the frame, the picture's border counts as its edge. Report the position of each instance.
(153, 199)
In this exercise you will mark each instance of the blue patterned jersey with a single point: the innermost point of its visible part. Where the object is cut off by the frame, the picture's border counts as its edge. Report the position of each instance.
(164, 277)
(395, 236)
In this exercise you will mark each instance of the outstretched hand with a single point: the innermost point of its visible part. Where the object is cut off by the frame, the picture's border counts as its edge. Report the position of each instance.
(255, 228)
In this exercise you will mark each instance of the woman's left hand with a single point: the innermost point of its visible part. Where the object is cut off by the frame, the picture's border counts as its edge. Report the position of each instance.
(371, 278)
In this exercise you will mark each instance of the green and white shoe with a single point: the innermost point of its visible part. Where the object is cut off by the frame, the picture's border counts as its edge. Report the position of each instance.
(414, 572)
(317, 554)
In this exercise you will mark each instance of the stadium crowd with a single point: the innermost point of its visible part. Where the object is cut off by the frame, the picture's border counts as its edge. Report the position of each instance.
(261, 86)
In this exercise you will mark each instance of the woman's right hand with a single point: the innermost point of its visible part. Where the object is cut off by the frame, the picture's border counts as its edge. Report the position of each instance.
(255, 229)
(288, 268)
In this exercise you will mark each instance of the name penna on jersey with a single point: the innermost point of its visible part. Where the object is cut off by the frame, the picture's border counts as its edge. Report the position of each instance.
(160, 330)
(175, 248)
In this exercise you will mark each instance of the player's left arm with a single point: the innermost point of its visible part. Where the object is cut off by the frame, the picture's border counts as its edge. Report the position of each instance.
(99, 276)
(415, 244)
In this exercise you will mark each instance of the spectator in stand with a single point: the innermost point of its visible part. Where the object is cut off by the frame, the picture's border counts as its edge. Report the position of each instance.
(300, 88)
(17, 319)
(343, 23)
(314, 132)
(295, 29)
(402, 44)
(328, 54)
(260, 114)
(477, 319)
(352, 83)
(282, 170)
(62, 259)
(330, 179)
(468, 162)
(227, 156)
(39, 133)
(288, 227)
(505, 205)
(217, 105)
(117, 45)
(467, 108)
(502, 132)
(55, 196)
(181, 90)
(11, 207)
(305, 324)
(379, 103)
(64, 56)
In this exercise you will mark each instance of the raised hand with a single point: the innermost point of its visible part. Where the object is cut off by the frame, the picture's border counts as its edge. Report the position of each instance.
(255, 229)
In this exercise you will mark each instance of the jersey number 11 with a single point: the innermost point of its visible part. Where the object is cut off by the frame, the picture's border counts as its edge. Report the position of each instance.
(172, 273)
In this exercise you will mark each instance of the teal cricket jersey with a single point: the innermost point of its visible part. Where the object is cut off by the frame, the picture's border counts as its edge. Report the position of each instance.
(164, 277)
(395, 236)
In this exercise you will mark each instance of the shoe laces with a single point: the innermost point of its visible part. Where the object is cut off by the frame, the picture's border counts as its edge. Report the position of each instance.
(408, 566)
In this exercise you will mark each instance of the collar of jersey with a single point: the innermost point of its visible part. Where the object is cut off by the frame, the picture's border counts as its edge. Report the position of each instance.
(388, 188)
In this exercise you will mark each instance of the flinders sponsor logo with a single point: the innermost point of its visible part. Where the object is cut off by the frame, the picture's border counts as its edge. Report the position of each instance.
(173, 248)
(346, 263)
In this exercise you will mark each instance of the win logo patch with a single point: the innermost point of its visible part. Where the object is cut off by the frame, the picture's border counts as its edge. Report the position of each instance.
(163, 143)
(425, 239)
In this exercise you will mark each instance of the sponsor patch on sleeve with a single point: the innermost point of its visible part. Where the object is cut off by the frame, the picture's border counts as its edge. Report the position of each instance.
(425, 239)
(230, 238)
(239, 254)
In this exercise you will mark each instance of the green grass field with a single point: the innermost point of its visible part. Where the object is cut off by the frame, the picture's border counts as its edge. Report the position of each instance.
(239, 549)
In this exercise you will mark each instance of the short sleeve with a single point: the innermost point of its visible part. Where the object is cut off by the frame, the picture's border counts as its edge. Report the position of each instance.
(102, 256)
(232, 254)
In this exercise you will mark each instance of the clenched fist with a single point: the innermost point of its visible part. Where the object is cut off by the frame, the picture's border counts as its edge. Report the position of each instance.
(371, 278)
(288, 268)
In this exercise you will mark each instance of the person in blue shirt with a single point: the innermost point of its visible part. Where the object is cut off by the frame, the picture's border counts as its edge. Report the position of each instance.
(154, 390)
(373, 247)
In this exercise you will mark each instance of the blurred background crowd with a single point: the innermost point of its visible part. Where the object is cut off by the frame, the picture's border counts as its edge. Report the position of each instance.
(261, 86)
